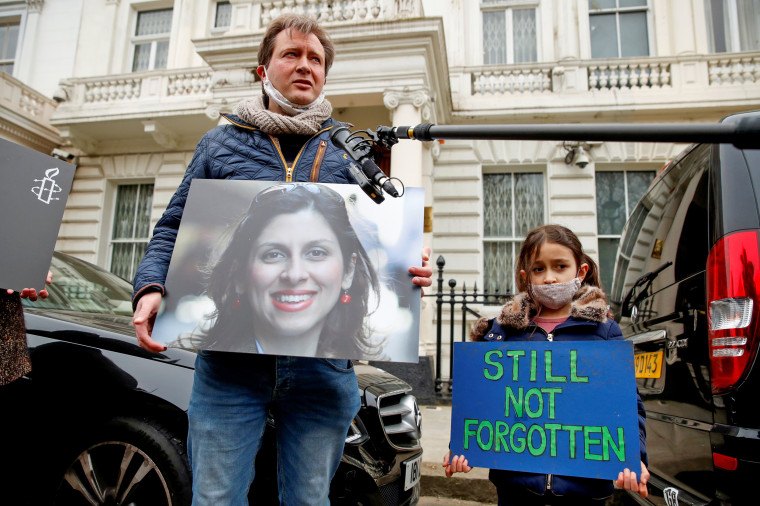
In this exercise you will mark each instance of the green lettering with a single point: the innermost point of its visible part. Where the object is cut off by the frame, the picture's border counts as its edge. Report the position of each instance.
(552, 428)
(574, 378)
(533, 365)
(519, 446)
(499, 369)
(551, 392)
(502, 429)
(487, 445)
(468, 433)
(608, 442)
(515, 354)
(536, 451)
(548, 369)
(516, 401)
(534, 392)
(588, 441)
(572, 429)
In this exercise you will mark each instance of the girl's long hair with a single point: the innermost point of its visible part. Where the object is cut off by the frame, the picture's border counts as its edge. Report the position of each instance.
(531, 248)
(344, 331)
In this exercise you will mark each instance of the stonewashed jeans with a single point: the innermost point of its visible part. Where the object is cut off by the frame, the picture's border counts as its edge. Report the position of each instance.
(313, 401)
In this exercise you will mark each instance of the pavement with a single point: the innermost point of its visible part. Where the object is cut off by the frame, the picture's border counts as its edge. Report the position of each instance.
(468, 489)
(462, 489)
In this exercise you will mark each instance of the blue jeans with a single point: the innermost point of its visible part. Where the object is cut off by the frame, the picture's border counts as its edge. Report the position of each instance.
(313, 402)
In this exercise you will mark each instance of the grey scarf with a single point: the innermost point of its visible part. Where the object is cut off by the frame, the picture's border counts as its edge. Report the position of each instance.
(306, 123)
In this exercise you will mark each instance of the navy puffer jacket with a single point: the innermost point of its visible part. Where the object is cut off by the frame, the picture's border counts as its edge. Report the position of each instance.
(237, 151)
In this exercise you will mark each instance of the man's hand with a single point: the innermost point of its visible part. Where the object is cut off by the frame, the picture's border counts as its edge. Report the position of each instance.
(422, 275)
(458, 464)
(145, 317)
(31, 293)
(627, 480)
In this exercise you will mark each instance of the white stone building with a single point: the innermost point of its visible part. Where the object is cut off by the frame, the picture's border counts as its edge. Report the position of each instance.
(137, 83)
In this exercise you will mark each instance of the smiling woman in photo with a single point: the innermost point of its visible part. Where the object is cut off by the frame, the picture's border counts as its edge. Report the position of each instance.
(293, 280)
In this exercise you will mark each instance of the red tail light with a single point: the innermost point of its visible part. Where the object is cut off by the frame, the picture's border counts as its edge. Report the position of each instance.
(733, 283)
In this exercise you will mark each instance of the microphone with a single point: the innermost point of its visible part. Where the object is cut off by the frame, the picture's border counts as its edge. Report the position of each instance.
(357, 149)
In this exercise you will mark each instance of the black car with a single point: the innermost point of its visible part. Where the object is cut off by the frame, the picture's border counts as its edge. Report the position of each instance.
(100, 421)
(686, 292)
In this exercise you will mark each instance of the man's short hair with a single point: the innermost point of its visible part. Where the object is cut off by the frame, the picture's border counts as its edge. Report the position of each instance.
(301, 24)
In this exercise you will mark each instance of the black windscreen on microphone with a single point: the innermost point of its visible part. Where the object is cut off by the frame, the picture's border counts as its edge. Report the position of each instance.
(362, 154)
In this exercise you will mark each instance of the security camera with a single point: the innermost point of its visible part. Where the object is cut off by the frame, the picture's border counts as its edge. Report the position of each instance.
(62, 155)
(60, 95)
(582, 159)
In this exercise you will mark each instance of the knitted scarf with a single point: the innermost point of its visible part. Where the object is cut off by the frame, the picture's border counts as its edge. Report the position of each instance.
(306, 123)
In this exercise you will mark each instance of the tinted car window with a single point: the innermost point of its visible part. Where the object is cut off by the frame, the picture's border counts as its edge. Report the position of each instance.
(83, 287)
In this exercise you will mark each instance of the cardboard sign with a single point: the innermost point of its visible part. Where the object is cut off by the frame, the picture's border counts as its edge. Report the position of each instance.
(566, 408)
(34, 188)
(254, 271)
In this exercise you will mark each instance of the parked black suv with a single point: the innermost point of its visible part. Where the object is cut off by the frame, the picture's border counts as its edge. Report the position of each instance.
(686, 291)
(100, 421)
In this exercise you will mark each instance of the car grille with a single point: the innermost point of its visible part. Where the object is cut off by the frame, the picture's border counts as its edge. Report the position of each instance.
(400, 417)
(393, 494)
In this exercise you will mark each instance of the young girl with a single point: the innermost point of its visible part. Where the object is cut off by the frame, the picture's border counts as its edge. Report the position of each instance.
(559, 300)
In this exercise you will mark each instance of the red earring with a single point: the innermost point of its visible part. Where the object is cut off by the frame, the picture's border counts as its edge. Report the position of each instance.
(345, 298)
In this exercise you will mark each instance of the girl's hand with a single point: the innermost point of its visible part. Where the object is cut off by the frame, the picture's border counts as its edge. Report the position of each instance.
(458, 464)
(627, 480)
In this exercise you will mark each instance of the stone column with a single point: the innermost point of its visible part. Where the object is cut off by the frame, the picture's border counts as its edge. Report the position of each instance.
(412, 162)
(408, 108)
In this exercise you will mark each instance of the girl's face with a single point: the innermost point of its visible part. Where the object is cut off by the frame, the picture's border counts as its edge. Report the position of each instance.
(295, 276)
(554, 263)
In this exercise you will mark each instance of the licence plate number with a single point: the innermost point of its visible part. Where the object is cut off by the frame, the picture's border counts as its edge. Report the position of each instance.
(648, 365)
(412, 472)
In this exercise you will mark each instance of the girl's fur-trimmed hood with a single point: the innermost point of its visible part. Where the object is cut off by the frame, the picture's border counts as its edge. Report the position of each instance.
(589, 303)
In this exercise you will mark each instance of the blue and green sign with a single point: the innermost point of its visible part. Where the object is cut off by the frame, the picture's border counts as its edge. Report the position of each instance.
(565, 408)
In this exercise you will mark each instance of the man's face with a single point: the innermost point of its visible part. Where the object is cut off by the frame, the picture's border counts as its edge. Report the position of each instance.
(296, 68)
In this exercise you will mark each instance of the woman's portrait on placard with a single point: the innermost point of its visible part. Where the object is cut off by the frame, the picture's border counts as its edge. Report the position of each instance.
(300, 269)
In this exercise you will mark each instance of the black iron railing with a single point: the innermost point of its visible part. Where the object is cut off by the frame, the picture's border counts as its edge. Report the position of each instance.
(451, 299)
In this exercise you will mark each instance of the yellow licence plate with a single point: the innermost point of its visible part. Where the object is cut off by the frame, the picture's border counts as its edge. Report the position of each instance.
(648, 365)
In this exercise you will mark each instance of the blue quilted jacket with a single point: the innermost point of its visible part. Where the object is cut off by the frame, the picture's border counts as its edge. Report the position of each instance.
(237, 151)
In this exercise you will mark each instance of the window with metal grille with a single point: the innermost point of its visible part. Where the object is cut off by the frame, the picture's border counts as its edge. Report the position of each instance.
(513, 204)
(616, 195)
(509, 32)
(151, 39)
(131, 228)
(223, 15)
(619, 28)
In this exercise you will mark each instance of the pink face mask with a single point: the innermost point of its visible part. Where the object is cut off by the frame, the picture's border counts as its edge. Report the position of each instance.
(556, 295)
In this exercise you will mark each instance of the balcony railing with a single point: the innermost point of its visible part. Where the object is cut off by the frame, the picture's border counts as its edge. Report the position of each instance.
(134, 87)
(25, 101)
(337, 11)
(654, 73)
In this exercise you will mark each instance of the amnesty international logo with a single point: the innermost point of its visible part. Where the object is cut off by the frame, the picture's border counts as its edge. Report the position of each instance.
(47, 187)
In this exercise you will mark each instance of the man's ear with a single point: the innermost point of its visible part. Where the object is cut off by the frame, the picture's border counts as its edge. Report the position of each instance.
(260, 72)
(348, 276)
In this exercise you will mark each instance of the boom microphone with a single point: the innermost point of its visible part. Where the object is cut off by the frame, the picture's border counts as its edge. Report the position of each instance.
(356, 147)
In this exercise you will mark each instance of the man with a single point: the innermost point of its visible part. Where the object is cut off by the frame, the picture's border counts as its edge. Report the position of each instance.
(283, 135)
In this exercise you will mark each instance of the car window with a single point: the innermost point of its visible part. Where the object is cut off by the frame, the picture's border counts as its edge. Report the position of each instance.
(653, 234)
(81, 286)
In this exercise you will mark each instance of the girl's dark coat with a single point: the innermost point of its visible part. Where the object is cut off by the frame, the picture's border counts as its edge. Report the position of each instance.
(588, 321)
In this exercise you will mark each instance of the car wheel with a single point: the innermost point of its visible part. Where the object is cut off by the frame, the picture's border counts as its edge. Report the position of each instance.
(129, 461)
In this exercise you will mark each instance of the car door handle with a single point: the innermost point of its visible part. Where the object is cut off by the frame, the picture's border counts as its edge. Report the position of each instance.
(648, 337)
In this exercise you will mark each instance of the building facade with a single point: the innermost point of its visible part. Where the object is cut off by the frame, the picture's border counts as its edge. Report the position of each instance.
(130, 87)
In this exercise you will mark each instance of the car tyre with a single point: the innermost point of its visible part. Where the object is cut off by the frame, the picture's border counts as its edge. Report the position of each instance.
(128, 461)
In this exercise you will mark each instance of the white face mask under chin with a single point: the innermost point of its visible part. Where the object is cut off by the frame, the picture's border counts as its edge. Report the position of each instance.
(285, 104)
(556, 295)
